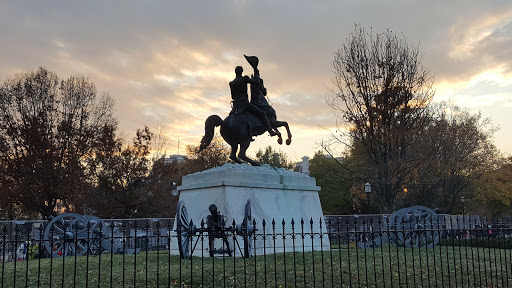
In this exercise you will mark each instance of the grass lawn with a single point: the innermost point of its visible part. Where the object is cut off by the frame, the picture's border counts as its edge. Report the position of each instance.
(346, 266)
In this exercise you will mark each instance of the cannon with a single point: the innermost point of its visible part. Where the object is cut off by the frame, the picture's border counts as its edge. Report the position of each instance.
(214, 226)
(72, 234)
(415, 226)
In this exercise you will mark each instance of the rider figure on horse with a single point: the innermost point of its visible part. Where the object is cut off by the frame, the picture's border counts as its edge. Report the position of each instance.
(258, 91)
(238, 132)
(241, 99)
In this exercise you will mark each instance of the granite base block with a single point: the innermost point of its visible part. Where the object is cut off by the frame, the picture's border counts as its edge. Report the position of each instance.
(277, 195)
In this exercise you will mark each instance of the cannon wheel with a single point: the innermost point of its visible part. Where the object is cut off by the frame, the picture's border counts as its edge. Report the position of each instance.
(247, 230)
(416, 227)
(95, 246)
(393, 227)
(184, 230)
(68, 233)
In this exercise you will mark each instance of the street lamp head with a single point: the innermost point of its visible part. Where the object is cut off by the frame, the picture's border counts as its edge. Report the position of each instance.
(462, 199)
(367, 188)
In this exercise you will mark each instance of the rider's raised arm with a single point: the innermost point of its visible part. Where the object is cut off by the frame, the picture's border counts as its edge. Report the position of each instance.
(250, 80)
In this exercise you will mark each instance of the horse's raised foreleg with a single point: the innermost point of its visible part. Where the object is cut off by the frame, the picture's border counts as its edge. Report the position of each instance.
(243, 148)
(279, 136)
(277, 124)
(232, 156)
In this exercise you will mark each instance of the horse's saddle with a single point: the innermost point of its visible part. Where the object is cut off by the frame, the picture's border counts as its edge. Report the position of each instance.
(245, 121)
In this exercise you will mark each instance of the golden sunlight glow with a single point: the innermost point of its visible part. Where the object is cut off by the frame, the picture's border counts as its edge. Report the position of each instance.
(497, 75)
(166, 78)
(459, 92)
(198, 56)
(208, 72)
(190, 94)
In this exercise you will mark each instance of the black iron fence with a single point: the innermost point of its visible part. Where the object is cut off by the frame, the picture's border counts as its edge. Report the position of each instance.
(337, 251)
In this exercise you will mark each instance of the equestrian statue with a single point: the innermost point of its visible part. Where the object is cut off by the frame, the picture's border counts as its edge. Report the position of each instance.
(246, 119)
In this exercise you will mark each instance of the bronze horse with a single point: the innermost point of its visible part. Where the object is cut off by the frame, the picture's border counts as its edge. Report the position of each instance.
(239, 129)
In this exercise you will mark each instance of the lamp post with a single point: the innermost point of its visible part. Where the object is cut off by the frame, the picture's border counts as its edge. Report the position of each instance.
(368, 190)
(462, 200)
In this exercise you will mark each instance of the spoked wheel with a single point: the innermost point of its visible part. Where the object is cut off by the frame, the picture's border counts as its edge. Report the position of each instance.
(393, 227)
(247, 230)
(417, 226)
(96, 225)
(184, 230)
(67, 233)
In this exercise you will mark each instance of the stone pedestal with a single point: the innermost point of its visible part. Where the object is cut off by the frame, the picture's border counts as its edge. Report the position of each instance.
(275, 194)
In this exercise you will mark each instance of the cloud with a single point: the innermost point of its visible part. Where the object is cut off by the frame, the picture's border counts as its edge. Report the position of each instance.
(478, 36)
(170, 61)
(492, 87)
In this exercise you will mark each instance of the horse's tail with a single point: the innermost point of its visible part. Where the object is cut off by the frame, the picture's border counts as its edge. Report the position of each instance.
(209, 126)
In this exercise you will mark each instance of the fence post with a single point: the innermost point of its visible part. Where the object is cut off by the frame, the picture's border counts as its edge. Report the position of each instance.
(4, 242)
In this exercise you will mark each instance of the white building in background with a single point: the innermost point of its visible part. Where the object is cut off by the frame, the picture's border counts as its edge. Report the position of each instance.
(303, 167)
(175, 158)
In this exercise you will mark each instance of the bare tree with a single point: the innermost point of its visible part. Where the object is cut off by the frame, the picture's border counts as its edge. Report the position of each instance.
(47, 131)
(159, 142)
(381, 91)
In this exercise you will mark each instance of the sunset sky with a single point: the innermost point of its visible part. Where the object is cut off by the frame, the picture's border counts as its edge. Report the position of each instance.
(169, 62)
